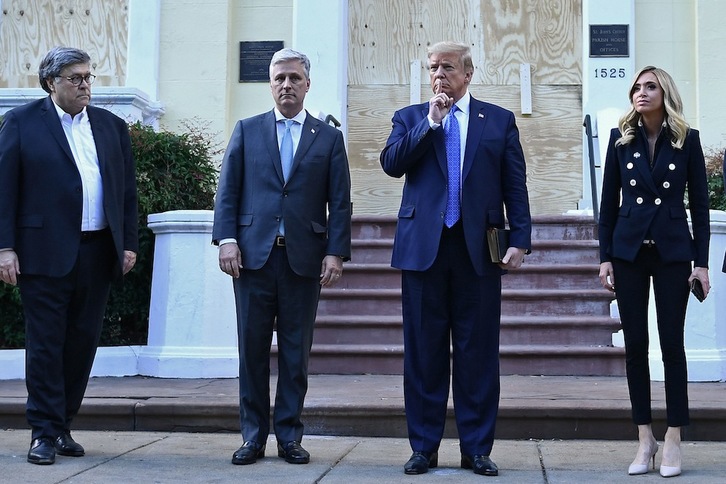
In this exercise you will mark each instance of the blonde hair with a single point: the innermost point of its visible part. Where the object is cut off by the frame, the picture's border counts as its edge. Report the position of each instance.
(677, 124)
(450, 47)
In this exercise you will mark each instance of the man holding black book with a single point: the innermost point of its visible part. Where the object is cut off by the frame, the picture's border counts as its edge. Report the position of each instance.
(463, 164)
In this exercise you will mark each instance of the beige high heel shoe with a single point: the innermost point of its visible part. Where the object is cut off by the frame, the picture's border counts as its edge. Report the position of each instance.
(671, 470)
(637, 468)
(672, 466)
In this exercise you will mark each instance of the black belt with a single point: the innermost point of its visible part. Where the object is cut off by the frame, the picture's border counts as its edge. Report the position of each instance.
(280, 241)
(92, 234)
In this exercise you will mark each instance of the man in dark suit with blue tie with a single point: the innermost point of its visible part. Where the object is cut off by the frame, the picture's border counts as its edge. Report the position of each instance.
(68, 227)
(282, 219)
(463, 164)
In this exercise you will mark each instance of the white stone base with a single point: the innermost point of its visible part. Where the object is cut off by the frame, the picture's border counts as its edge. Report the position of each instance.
(188, 362)
(110, 361)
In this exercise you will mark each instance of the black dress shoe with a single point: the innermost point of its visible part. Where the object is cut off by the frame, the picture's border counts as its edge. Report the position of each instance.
(420, 462)
(293, 453)
(41, 451)
(65, 445)
(481, 464)
(248, 453)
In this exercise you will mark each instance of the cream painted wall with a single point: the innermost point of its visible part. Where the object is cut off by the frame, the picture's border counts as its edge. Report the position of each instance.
(711, 68)
(199, 60)
(254, 20)
(686, 38)
(193, 64)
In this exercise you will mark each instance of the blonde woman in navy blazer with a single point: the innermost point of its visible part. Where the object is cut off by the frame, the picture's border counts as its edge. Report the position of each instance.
(653, 160)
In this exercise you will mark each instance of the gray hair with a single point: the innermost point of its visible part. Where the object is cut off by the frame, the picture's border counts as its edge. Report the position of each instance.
(56, 60)
(286, 55)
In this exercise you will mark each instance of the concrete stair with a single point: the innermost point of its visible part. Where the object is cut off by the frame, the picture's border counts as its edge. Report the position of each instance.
(555, 314)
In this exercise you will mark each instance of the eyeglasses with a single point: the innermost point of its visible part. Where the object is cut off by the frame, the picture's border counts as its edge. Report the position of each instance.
(77, 80)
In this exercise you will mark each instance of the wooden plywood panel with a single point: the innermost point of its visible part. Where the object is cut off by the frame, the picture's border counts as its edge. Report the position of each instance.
(386, 35)
(551, 139)
(544, 34)
(29, 28)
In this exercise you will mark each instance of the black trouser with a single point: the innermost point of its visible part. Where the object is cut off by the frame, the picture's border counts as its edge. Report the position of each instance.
(63, 321)
(670, 285)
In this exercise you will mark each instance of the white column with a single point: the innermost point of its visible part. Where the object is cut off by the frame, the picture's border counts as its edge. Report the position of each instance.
(142, 60)
(705, 332)
(320, 31)
(605, 81)
(192, 322)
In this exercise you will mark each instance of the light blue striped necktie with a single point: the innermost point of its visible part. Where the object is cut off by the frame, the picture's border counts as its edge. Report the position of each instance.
(452, 138)
(286, 153)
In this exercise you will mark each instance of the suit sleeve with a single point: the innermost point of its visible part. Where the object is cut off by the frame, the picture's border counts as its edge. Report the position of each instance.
(610, 198)
(229, 188)
(514, 189)
(406, 145)
(339, 208)
(9, 180)
(131, 198)
(698, 199)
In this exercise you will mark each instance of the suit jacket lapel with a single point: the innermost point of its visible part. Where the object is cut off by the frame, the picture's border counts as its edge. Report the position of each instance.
(99, 135)
(50, 116)
(268, 130)
(439, 143)
(310, 130)
(639, 158)
(477, 121)
(666, 157)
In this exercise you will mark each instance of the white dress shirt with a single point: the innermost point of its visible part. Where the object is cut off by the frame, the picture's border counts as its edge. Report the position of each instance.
(80, 137)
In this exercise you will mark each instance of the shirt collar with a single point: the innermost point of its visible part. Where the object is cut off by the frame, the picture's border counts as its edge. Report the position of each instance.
(299, 117)
(62, 113)
(463, 103)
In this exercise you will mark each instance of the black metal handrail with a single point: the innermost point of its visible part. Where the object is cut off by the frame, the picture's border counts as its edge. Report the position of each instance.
(593, 179)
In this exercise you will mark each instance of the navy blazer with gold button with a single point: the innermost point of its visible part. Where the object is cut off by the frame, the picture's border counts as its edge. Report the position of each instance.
(653, 205)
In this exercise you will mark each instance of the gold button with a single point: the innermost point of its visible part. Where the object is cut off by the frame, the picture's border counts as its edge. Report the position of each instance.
(671, 167)
(657, 201)
(632, 183)
(629, 166)
(666, 185)
(639, 200)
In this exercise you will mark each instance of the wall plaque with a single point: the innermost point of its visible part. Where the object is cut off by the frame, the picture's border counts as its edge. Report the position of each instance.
(609, 41)
(254, 59)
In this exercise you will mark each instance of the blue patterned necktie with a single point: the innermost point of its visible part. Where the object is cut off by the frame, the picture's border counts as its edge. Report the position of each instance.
(453, 161)
(286, 149)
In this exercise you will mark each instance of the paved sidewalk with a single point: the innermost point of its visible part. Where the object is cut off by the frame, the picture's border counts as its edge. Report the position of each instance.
(161, 457)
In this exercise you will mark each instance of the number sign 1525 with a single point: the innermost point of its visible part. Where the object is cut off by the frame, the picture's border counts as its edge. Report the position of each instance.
(611, 73)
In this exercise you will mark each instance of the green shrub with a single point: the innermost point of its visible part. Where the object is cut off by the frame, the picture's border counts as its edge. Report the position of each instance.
(714, 172)
(173, 172)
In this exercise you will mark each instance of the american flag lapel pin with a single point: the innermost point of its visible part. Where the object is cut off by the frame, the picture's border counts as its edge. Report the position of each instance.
(481, 115)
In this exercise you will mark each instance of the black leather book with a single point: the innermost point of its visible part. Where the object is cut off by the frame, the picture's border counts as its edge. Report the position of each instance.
(498, 240)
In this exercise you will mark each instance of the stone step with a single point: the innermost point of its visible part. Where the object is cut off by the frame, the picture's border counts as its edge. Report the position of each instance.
(563, 227)
(556, 302)
(563, 252)
(558, 330)
(387, 359)
(523, 302)
(515, 330)
(561, 276)
(544, 227)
